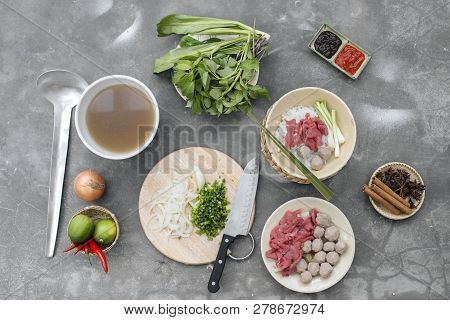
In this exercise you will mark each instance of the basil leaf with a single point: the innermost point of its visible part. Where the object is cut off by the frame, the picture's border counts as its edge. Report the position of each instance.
(206, 102)
(225, 72)
(231, 62)
(248, 75)
(258, 91)
(219, 106)
(205, 79)
(210, 65)
(215, 93)
(250, 64)
(184, 65)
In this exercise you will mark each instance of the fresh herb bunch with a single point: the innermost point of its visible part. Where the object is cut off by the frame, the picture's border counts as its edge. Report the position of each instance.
(214, 75)
(211, 212)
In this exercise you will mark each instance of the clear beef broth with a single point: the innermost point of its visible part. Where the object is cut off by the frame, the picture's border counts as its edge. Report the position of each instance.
(120, 118)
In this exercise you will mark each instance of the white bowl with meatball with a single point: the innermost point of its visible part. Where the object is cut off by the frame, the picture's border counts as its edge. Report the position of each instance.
(324, 254)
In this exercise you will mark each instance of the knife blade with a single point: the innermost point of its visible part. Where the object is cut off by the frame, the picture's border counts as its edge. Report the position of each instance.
(239, 220)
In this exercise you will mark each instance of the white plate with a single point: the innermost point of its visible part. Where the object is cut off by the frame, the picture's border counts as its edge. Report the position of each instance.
(346, 235)
(253, 81)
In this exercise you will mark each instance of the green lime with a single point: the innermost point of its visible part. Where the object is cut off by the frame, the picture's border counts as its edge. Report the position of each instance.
(105, 232)
(80, 229)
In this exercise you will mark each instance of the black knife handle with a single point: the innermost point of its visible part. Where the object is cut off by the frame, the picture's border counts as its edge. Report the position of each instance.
(219, 264)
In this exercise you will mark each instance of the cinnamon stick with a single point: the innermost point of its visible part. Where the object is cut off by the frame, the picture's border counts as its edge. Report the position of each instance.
(392, 200)
(380, 200)
(388, 190)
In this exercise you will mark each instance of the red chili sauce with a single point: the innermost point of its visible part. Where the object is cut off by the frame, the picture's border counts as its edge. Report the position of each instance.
(350, 59)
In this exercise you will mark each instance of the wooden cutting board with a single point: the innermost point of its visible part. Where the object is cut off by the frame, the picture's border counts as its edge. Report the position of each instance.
(215, 165)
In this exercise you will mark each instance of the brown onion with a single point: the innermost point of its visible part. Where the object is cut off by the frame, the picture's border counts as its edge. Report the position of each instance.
(89, 185)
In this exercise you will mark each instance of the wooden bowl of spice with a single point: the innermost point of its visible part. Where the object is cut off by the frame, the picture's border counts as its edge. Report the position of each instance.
(396, 190)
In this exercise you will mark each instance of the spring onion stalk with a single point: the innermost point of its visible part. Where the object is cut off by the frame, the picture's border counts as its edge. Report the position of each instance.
(324, 190)
(324, 109)
(337, 150)
(335, 136)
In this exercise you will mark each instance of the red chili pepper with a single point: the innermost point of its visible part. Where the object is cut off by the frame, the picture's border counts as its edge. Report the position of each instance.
(95, 249)
(79, 248)
(73, 246)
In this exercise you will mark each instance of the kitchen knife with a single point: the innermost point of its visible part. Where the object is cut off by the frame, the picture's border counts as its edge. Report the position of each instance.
(239, 219)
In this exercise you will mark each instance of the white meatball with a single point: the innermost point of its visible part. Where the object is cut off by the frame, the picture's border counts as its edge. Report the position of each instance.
(317, 245)
(318, 232)
(340, 247)
(332, 257)
(328, 246)
(307, 246)
(324, 152)
(313, 267)
(304, 152)
(320, 257)
(305, 277)
(332, 233)
(323, 220)
(316, 163)
(325, 270)
(302, 265)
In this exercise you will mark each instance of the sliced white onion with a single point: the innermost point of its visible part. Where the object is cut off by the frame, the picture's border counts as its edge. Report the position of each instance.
(170, 209)
(199, 177)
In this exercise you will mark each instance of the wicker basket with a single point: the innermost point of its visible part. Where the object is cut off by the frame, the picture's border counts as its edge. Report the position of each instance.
(97, 213)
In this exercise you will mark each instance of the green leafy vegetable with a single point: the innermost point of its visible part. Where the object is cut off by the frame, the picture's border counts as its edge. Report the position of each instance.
(214, 75)
(324, 190)
(184, 24)
(211, 212)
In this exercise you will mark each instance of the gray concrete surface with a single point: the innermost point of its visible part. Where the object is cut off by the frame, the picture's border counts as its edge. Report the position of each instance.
(400, 104)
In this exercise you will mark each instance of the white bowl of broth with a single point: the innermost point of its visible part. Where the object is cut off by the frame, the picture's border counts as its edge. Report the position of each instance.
(117, 117)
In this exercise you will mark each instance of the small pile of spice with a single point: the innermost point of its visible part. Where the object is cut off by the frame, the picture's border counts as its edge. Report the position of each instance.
(399, 180)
